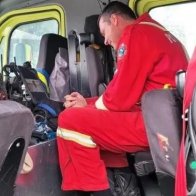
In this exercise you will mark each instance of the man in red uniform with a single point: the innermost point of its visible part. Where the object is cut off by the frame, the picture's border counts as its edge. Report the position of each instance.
(148, 57)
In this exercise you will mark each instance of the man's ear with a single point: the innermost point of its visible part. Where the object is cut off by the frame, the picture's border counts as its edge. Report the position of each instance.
(114, 19)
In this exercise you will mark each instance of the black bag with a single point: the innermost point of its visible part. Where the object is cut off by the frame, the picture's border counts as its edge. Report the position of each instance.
(49, 111)
(46, 120)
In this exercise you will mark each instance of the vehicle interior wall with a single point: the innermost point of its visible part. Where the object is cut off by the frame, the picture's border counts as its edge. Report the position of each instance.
(76, 11)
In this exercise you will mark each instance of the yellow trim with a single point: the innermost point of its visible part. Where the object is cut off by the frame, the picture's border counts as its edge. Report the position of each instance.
(44, 80)
(26, 14)
(141, 7)
(10, 20)
(167, 86)
(74, 136)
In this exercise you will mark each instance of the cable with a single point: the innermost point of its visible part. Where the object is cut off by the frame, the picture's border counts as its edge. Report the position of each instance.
(101, 2)
(98, 1)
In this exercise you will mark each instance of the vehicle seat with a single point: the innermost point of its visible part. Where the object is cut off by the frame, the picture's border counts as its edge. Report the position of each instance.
(14, 140)
(144, 164)
(49, 47)
(96, 60)
(99, 57)
(163, 133)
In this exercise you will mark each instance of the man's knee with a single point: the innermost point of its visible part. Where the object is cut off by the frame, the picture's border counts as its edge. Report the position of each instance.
(66, 118)
(72, 118)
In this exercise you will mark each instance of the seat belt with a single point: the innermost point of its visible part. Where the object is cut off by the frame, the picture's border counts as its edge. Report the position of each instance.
(190, 83)
(84, 82)
(73, 64)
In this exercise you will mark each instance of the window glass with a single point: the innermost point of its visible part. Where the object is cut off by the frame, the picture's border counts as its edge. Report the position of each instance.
(25, 41)
(179, 20)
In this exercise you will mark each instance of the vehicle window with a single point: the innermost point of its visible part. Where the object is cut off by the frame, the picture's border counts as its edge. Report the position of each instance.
(179, 19)
(25, 40)
(22, 30)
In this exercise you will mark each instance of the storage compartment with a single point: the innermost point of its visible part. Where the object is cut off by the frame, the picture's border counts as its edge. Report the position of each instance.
(45, 177)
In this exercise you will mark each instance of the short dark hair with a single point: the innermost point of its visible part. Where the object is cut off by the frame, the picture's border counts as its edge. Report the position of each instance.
(116, 7)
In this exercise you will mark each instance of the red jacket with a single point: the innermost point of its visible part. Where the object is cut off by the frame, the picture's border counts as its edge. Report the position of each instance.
(148, 57)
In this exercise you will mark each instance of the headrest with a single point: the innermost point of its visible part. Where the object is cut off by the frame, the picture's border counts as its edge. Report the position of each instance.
(180, 81)
(49, 47)
(91, 27)
(87, 38)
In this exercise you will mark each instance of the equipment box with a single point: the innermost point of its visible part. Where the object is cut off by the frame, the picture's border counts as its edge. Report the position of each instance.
(45, 177)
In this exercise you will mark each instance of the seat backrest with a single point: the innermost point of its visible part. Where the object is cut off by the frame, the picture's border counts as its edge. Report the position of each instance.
(96, 59)
(14, 140)
(163, 131)
(108, 54)
(92, 71)
(49, 47)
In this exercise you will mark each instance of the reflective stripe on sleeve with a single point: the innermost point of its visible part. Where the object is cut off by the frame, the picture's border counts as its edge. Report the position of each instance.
(74, 136)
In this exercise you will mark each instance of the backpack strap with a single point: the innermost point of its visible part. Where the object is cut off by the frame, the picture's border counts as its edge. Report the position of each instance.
(74, 67)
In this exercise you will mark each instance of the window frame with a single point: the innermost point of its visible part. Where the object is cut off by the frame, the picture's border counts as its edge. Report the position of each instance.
(10, 21)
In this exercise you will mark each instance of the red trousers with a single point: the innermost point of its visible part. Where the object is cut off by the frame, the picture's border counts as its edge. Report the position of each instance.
(90, 140)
